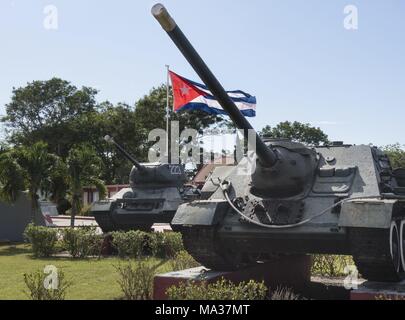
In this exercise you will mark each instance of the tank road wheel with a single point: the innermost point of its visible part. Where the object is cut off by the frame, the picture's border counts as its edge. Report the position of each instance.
(202, 244)
(402, 241)
(395, 246)
(376, 253)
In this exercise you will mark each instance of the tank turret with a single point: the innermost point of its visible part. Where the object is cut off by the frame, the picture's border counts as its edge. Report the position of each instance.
(157, 189)
(156, 174)
(337, 199)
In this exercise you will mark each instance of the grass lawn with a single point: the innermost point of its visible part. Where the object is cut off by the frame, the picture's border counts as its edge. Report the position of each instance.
(93, 279)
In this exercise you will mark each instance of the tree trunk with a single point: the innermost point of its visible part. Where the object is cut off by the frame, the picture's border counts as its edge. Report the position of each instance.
(75, 209)
(76, 205)
(72, 217)
(34, 207)
(76, 189)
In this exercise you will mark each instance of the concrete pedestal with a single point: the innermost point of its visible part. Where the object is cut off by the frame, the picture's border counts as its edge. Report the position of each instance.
(378, 291)
(293, 272)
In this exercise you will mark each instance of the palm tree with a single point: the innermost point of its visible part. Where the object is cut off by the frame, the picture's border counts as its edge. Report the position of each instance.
(84, 169)
(12, 181)
(38, 165)
(59, 186)
(26, 167)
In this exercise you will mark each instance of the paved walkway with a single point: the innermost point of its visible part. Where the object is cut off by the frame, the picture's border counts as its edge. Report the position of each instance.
(64, 221)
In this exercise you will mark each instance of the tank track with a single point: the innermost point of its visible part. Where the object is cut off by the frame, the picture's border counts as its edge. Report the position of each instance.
(201, 243)
(371, 253)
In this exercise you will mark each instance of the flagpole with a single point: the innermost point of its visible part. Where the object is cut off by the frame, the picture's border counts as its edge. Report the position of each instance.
(167, 112)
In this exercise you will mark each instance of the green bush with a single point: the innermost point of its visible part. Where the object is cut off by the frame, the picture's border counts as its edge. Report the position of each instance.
(43, 240)
(150, 244)
(134, 244)
(169, 244)
(183, 260)
(36, 290)
(82, 242)
(221, 290)
(129, 244)
(284, 294)
(136, 279)
(330, 265)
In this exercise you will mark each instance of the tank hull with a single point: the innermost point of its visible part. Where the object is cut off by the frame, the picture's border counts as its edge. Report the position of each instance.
(342, 212)
(124, 220)
(150, 206)
(307, 241)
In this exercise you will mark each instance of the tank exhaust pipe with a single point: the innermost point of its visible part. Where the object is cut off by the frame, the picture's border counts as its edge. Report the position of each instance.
(266, 156)
(111, 140)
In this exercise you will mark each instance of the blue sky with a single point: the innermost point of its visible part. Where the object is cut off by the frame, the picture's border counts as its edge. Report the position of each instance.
(295, 56)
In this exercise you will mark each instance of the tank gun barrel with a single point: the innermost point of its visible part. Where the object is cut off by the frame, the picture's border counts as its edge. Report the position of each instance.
(266, 156)
(111, 140)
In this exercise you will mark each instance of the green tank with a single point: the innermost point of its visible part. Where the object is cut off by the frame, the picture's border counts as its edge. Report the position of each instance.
(157, 189)
(336, 199)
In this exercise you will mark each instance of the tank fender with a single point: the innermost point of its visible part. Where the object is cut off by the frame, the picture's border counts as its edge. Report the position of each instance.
(212, 184)
(102, 206)
(367, 213)
(201, 213)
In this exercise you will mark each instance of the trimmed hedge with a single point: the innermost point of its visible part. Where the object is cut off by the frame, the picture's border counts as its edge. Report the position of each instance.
(82, 242)
(135, 244)
(169, 244)
(128, 244)
(43, 240)
(85, 242)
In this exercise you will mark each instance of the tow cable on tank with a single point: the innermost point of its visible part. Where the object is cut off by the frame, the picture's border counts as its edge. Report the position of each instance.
(226, 185)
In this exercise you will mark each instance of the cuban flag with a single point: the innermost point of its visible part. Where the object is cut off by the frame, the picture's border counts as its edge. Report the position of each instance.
(189, 95)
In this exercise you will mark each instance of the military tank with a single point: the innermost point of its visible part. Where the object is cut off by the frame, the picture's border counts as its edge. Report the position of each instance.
(336, 199)
(157, 189)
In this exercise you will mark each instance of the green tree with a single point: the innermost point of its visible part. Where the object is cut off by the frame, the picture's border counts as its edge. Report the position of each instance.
(62, 115)
(396, 153)
(296, 131)
(118, 121)
(47, 111)
(84, 168)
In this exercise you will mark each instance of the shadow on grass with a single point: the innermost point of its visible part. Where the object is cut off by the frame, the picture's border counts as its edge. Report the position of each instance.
(12, 250)
(68, 258)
